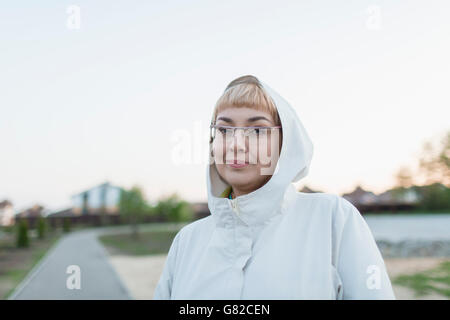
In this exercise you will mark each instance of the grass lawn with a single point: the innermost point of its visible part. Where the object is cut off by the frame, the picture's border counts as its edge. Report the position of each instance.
(149, 242)
(15, 263)
(436, 280)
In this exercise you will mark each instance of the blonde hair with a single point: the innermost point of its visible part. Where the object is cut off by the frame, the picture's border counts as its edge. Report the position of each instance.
(246, 91)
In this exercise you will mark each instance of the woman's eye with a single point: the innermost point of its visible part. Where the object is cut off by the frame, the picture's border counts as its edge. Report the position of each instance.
(262, 132)
(222, 130)
(251, 132)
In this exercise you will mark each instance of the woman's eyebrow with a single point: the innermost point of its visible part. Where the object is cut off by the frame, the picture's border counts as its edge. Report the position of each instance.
(253, 119)
(225, 119)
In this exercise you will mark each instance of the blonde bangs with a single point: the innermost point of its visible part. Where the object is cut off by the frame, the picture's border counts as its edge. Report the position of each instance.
(245, 92)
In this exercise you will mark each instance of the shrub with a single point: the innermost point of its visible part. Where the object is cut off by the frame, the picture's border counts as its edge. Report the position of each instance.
(66, 224)
(42, 227)
(22, 234)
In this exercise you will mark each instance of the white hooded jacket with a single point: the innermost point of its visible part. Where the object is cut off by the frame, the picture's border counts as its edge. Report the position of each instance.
(276, 242)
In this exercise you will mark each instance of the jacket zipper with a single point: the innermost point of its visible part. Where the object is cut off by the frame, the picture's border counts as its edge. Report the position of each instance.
(235, 206)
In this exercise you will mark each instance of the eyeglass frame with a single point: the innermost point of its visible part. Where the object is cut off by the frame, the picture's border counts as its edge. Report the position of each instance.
(234, 129)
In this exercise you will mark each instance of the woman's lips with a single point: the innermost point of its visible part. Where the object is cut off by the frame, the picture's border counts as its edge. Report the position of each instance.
(237, 165)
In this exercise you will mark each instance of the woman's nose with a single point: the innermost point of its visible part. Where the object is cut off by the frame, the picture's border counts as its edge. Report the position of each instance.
(238, 141)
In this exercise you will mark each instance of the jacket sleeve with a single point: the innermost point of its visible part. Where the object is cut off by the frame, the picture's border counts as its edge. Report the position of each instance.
(163, 290)
(359, 262)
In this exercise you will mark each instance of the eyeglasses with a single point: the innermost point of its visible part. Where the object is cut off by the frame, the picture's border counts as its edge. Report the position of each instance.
(247, 131)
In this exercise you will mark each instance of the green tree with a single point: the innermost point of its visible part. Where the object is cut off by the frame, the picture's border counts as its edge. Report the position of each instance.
(434, 162)
(184, 212)
(42, 227)
(434, 172)
(435, 197)
(444, 159)
(133, 206)
(22, 234)
(174, 209)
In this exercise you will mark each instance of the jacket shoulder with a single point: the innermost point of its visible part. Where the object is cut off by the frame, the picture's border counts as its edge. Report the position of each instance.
(196, 228)
(336, 206)
(199, 223)
(318, 200)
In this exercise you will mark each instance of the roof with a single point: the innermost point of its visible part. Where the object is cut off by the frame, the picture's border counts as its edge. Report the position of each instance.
(62, 213)
(34, 211)
(104, 185)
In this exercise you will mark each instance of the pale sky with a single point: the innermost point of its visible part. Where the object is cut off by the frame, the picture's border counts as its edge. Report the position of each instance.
(369, 80)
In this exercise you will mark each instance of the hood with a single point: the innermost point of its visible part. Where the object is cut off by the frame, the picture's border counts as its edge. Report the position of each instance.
(293, 164)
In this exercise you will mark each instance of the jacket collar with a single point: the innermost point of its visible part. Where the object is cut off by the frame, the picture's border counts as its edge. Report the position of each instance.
(252, 209)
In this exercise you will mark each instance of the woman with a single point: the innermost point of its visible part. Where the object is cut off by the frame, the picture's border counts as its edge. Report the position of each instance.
(264, 239)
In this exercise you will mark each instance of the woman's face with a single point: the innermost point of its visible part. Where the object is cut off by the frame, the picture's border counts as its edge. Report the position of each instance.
(246, 162)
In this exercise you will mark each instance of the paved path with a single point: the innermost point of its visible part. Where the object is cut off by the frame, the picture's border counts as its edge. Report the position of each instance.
(98, 278)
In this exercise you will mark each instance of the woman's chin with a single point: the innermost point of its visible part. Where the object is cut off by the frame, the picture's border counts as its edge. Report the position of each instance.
(239, 177)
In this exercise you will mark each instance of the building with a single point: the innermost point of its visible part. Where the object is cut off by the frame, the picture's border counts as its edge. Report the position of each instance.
(306, 189)
(35, 211)
(6, 213)
(95, 206)
(103, 198)
(359, 197)
(390, 200)
(31, 215)
(407, 196)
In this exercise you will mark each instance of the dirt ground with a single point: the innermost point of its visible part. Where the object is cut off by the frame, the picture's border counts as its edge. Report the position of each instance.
(141, 274)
